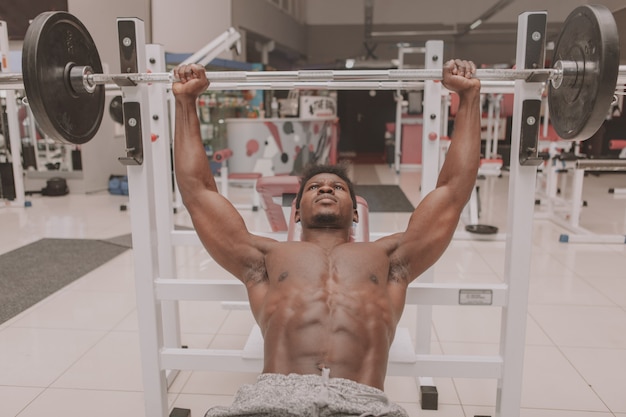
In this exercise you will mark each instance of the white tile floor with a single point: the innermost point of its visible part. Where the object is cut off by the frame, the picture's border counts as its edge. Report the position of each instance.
(77, 352)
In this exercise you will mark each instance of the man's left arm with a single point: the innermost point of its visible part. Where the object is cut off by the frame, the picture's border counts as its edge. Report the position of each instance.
(434, 221)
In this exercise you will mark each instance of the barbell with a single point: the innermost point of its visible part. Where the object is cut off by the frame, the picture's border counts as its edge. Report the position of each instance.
(65, 86)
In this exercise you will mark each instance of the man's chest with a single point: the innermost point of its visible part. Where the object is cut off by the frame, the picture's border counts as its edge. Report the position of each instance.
(351, 263)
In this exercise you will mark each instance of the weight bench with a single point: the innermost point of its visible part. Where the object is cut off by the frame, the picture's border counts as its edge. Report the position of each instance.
(403, 359)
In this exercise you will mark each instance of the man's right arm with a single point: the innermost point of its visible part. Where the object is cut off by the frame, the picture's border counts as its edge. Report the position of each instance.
(218, 224)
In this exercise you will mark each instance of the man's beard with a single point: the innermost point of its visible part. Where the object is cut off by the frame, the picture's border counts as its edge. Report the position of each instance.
(325, 220)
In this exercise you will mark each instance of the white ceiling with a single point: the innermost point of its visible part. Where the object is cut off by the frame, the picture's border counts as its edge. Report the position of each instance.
(447, 12)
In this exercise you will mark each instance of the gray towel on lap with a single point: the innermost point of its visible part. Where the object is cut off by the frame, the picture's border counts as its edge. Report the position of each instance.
(293, 395)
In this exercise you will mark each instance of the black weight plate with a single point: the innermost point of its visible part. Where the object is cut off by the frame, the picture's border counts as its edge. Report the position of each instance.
(581, 104)
(53, 44)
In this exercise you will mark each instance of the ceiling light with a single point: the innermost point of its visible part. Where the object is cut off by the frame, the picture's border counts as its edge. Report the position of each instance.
(476, 23)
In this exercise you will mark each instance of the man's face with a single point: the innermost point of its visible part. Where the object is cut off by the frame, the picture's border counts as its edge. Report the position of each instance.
(326, 202)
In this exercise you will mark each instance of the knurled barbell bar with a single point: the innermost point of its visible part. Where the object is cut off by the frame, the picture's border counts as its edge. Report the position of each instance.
(64, 83)
(83, 80)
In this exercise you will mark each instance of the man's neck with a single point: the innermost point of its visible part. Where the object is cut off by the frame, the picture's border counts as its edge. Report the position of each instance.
(326, 237)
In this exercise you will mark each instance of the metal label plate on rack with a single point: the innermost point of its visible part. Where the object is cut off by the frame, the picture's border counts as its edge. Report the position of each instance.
(475, 297)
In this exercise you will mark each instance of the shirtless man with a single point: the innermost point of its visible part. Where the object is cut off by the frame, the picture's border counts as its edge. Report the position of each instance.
(327, 307)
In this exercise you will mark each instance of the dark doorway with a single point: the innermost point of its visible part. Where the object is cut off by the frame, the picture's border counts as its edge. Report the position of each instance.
(363, 116)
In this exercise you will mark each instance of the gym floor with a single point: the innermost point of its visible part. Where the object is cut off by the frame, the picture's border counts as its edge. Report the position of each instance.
(76, 353)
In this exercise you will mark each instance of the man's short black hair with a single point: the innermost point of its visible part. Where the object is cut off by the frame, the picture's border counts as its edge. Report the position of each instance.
(313, 170)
